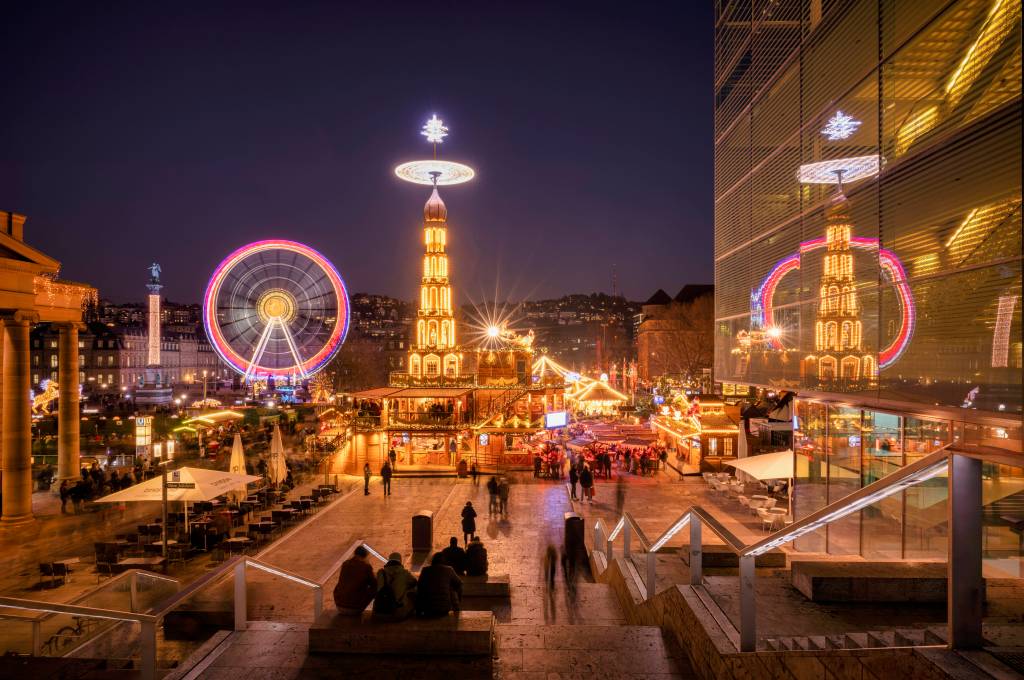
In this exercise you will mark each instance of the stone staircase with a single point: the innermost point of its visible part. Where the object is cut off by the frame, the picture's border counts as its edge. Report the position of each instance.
(587, 651)
(934, 636)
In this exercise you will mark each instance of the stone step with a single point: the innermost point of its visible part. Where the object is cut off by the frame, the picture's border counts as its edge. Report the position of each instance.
(582, 651)
(909, 638)
(936, 635)
(883, 638)
(835, 642)
(817, 642)
(855, 641)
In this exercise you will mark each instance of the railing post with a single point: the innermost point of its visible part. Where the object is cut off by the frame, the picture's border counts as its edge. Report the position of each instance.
(147, 650)
(966, 586)
(748, 622)
(608, 550)
(627, 531)
(241, 606)
(696, 552)
(133, 592)
(318, 602)
(652, 575)
(37, 639)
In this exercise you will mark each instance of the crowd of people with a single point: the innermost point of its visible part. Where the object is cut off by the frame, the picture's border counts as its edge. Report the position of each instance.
(396, 593)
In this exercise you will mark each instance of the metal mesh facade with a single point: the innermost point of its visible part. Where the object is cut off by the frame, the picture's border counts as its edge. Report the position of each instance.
(868, 199)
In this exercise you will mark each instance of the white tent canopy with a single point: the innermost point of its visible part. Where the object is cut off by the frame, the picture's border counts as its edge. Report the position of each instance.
(778, 465)
(183, 484)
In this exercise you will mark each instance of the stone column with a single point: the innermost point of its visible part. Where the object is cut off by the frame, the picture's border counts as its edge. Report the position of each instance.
(68, 417)
(16, 421)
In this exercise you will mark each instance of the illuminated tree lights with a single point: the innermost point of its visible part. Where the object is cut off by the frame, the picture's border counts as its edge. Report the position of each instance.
(276, 308)
(840, 126)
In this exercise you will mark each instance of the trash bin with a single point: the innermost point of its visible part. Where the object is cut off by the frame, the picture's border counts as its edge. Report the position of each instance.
(423, 531)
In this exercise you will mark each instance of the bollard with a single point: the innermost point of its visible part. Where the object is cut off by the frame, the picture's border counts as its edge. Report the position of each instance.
(423, 531)
(574, 535)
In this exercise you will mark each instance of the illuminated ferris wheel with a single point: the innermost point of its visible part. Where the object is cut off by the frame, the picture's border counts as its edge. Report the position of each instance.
(276, 309)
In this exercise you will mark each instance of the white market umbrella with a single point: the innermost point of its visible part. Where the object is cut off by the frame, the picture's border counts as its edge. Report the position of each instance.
(778, 465)
(184, 484)
(277, 468)
(237, 466)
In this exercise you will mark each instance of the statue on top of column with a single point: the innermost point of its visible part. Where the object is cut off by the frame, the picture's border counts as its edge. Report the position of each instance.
(154, 273)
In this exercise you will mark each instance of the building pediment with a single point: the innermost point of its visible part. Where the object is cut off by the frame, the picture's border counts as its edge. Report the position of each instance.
(15, 251)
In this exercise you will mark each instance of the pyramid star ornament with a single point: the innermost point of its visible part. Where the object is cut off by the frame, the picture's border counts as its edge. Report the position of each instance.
(435, 130)
(840, 126)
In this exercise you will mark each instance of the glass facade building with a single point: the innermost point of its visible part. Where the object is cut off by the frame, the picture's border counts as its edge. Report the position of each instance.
(868, 239)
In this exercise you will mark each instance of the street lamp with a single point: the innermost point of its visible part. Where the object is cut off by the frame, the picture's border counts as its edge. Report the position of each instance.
(204, 386)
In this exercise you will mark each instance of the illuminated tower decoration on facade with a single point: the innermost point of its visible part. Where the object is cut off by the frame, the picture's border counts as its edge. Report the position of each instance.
(838, 332)
(434, 354)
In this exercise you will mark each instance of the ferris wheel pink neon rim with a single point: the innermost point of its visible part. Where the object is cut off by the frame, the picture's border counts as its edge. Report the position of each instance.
(889, 263)
(240, 363)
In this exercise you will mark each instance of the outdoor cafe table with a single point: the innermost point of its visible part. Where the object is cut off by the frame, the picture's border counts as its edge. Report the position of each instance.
(202, 525)
(237, 542)
(139, 563)
(284, 514)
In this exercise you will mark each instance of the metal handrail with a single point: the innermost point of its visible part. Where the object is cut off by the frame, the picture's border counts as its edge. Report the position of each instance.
(927, 467)
(150, 619)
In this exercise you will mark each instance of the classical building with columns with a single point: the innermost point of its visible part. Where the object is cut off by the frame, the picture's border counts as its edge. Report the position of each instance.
(31, 293)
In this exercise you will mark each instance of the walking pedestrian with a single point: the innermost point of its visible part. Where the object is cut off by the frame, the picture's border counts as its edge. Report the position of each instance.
(620, 495)
(65, 493)
(468, 522)
(385, 475)
(474, 471)
(503, 489)
(366, 478)
(492, 493)
(587, 483)
(393, 457)
(574, 479)
(550, 565)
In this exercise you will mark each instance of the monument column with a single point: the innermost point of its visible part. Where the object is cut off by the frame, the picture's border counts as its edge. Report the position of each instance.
(17, 420)
(68, 417)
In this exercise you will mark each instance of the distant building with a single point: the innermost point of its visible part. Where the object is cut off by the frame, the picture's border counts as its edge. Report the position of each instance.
(114, 357)
(674, 337)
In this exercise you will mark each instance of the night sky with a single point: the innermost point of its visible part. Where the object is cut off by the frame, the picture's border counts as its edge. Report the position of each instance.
(153, 131)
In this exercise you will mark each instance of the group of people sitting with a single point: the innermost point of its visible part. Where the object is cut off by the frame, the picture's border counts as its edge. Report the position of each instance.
(396, 593)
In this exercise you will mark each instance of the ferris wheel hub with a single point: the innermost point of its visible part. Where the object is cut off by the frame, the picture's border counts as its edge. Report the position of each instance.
(276, 305)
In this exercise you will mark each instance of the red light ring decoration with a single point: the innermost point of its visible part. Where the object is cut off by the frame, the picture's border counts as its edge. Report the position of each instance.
(244, 365)
(761, 302)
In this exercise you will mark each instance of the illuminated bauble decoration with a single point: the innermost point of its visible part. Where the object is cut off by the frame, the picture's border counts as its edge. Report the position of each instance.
(441, 173)
(276, 309)
(493, 331)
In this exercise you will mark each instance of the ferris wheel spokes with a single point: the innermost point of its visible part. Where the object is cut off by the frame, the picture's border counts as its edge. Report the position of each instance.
(261, 347)
(293, 348)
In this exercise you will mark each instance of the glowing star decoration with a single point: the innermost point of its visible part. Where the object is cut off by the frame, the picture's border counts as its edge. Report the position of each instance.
(435, 130)
(840, 126)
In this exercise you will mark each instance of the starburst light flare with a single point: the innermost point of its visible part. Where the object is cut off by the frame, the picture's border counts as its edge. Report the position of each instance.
(434, 130)
(840, 126)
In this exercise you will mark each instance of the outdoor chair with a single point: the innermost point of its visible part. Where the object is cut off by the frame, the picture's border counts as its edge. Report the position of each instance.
(46, 572)
(744, 501)
(766, 519)
(61, 571)
(177, 553)
(769, 503)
